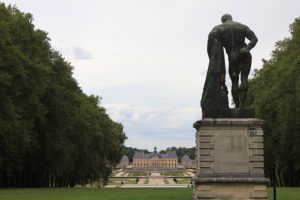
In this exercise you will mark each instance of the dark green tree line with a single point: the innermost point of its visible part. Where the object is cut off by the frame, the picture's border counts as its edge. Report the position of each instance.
(51, 133)
(129, 151)
(181, 151)
(275, 95)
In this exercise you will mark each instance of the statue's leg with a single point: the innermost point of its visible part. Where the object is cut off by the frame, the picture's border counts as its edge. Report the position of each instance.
(245, 70)
(234, 76)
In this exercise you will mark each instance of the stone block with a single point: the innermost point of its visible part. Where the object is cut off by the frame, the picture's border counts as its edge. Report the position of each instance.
(213, 122)
(206, 152)
(205, 146)
(260, 132)
(206, 133)
(257, 152)
(257, 165)
(257, 171)
(205, 195)
(204, 188)
(205, 139)
(231, 153)
(257, 139)
(256, 158)
(205, 164)
(206, 158)
(259, 195)
(229, 113)
(206, 171)
(256, 146)
(260, 188)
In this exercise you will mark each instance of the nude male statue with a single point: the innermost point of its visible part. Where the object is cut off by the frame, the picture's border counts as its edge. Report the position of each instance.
(232, 36)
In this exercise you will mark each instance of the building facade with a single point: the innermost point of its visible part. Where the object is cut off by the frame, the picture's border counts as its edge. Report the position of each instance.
(155, 161)
(124, 162)
(186, 162)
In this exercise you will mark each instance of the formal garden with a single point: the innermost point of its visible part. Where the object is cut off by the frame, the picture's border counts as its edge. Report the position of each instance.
(123, 178)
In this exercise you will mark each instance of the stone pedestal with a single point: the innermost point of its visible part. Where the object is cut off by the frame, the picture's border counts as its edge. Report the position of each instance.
(230, 159)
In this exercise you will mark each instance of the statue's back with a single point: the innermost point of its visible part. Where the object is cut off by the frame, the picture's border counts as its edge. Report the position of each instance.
(233, 36)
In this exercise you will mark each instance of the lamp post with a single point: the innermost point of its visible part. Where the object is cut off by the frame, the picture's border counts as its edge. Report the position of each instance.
(274, 180)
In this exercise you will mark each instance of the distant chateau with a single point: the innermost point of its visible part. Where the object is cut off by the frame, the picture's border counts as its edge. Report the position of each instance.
(155, 161)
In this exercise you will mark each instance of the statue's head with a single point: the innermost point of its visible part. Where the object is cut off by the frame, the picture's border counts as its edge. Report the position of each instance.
(226, 17)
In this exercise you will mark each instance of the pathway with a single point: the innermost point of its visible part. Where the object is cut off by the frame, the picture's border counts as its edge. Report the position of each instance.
(156, 179)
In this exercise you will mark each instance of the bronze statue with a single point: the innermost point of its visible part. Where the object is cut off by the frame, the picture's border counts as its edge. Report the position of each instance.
(230, 35)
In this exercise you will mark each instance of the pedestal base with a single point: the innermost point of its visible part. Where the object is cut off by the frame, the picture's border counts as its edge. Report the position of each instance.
(230, 159)
(230, 192)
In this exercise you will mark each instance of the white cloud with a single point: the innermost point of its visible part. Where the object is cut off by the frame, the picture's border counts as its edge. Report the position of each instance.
(183, 116)
(146, 127)
(80, 53)
(71, 51)
(131, 114)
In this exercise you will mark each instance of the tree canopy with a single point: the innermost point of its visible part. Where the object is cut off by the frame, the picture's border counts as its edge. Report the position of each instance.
(51, 133)
(275, 94)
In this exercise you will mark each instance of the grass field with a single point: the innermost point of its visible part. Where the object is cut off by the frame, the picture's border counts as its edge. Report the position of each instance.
(138, 174)
(286, 194)
(172, 173)
(116, 194)
(119, 181)
(95, 194)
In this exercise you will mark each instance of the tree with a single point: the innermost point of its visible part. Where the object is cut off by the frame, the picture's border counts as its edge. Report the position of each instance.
(129, 151)
(51, 133)
(275, 94)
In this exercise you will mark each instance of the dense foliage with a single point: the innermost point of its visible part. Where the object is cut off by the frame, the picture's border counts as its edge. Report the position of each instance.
(51, 133)
(129, 152)
(275, 95)
(181, 151)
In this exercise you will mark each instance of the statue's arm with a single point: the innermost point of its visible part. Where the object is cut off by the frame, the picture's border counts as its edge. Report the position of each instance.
(250, 35)
(210, 40)
(209, 44)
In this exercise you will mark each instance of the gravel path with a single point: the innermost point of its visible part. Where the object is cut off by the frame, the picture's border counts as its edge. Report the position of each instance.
(190, 173)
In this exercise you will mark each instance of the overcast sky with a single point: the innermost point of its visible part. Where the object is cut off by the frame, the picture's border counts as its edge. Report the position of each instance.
(147, 58)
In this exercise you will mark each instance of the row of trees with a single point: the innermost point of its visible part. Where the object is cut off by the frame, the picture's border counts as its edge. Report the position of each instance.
(181, 151)
(275, 95)
(51, 133)
(129, 152)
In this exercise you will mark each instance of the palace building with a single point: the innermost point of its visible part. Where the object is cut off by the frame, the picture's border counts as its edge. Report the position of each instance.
(155, 161)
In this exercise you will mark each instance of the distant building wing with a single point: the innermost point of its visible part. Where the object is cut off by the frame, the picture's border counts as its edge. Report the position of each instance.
(138, 155)
(125, 159)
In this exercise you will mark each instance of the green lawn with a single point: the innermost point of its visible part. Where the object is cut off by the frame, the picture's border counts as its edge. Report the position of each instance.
(166, 181)
(183, 180)
(119, 194)
(95, 194)
(139, 174)
(172, 173)
(118, 181)
(285, 193)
